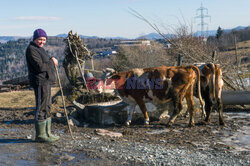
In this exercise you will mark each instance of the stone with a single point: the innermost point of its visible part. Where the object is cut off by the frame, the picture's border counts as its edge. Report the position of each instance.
(104, 132)
(58, 115)
(78, 105)
(67, 157)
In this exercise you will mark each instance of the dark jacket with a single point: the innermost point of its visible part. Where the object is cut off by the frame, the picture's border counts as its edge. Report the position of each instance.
(40, 66)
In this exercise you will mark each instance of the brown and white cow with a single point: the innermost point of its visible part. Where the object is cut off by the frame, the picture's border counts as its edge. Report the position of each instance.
(211, 88)
(159, 84)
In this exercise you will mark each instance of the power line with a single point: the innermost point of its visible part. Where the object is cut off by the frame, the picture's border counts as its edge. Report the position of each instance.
(203, 14)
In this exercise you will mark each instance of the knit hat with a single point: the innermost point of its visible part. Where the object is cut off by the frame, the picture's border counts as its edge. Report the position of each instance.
(39, 33)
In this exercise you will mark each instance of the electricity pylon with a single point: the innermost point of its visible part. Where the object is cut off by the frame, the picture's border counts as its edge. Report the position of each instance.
(203, 14)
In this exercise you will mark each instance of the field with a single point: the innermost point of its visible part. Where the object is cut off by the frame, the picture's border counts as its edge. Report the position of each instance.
(20, 99)
(243, 50)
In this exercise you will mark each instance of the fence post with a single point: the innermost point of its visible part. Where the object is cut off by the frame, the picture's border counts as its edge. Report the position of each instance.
(179, 60)
(214, 55)
(236, 49)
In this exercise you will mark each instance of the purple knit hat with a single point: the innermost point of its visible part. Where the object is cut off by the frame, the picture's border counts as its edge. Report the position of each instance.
(39, 33)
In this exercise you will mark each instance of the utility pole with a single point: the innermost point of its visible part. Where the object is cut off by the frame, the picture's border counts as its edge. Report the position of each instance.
(202, 13)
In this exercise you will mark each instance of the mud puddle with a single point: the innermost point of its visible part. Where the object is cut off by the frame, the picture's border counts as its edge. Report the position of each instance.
(17, 147)
(27, 152)
(239, 140)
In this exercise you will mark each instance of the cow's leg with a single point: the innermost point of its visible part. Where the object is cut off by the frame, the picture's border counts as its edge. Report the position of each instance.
(219, 83)
(203, 110)
(177, 97)
(220, 110)
(177, 108)
(143, 108)
(131, 111)
(208, 108)
(190, 104)
(186, 114)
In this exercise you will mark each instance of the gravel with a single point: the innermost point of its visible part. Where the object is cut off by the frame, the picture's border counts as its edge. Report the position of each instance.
(152, 154)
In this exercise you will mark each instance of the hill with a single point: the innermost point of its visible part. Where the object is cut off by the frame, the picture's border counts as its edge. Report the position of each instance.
(150, 36)
(4, 39)
(213, 32)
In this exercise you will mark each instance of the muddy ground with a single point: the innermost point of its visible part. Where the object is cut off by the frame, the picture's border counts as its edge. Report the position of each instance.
(155, 144)
(18, 148)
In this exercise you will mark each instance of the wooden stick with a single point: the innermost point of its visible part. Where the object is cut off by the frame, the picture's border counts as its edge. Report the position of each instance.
(66, 114)
(80, 68)
(92, 63)
(78, 63)
(97, 71)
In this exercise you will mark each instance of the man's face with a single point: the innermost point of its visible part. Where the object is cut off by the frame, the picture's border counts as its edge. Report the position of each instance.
(40, 42)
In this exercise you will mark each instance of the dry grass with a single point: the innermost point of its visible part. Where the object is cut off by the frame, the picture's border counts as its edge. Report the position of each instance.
(231, 54)
(243, 49)
(19, 99)
(229, 57)
(243, 44)
(228, 61)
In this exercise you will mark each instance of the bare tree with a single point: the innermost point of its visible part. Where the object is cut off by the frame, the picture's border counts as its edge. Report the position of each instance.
(196, 49)
(140, 56)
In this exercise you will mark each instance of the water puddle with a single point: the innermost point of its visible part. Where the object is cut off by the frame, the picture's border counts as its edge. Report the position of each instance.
(8, 122)
(19, 152)
(14, 130)
(239, 140)
(68, 158)
(60, 132)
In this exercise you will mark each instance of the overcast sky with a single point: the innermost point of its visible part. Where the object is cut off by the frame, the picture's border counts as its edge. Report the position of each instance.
(111, 18)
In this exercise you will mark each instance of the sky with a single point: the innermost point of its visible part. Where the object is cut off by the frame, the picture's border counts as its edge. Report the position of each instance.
(112, 18)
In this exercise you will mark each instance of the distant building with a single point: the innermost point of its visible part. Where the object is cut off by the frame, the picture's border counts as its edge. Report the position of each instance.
(106, 53)
(113, 51)
(168, 45)
(135, 43)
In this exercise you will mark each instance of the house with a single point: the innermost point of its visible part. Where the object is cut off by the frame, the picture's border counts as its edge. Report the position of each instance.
(135, 43)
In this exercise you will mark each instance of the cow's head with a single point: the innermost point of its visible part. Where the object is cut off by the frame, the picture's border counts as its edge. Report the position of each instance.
(107, 73)
(106, 84)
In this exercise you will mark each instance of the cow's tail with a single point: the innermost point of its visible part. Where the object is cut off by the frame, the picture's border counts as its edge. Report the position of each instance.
(212, 68)
(196, 69)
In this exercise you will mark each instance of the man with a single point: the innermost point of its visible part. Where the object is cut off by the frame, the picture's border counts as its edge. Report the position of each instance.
(41, 76)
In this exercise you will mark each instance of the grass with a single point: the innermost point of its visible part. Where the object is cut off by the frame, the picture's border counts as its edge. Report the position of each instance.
(243, 49)
(19, 99)
(229, 57)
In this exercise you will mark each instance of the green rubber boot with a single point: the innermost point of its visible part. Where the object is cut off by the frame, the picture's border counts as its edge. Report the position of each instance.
(48, 128)
(41, 134)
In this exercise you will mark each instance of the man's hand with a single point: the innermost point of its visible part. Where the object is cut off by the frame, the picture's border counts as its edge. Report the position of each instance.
(55, 61)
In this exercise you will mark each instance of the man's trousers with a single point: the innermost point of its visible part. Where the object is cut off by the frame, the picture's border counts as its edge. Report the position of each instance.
(43, 102)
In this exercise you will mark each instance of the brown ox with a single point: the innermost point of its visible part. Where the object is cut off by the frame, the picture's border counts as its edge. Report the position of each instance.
(159, 84)
(211, 87)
